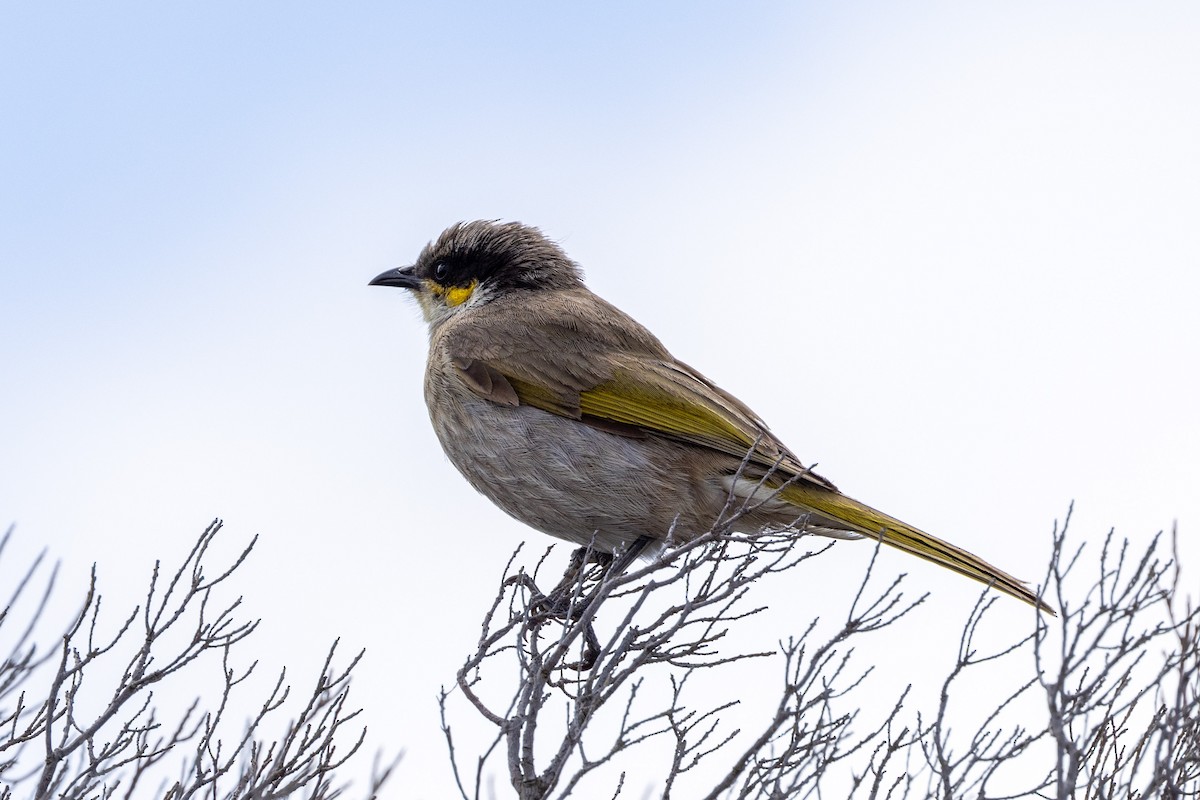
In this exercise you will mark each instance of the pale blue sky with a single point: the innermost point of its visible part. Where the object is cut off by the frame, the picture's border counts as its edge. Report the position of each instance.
(948, 251)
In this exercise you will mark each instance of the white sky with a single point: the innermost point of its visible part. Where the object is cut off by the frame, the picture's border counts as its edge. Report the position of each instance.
(949, 252)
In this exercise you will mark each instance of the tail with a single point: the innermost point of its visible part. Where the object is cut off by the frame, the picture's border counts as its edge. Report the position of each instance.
(854, 516)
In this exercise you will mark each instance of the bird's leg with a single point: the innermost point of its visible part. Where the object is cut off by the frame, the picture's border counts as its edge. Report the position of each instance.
(608, 566)
(568, 601)
(589, 566)
(614, 567)
(629, 555)
(561, 602)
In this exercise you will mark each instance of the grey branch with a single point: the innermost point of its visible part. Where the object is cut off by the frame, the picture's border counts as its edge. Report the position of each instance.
(1116, 678)
(50, 744)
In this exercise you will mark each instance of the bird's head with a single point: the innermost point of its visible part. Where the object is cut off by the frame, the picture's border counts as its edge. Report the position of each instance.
(473, 263)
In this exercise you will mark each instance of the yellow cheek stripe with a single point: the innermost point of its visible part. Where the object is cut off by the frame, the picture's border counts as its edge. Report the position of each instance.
(457, 295)
(452, 295)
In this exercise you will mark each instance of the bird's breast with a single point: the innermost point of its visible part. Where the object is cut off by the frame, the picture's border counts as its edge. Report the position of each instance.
(564, 477)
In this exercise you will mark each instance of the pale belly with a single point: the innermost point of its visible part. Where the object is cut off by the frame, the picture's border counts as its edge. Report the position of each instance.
(573, 481)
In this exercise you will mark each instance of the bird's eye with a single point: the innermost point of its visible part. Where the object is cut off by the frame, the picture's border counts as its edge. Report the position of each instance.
(440, 270)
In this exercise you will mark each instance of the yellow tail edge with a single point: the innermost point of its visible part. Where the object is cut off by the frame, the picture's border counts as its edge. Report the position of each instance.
(863, 519)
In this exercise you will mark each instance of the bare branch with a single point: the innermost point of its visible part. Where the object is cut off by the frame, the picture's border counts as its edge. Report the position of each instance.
(126, 745)
(1117, 721)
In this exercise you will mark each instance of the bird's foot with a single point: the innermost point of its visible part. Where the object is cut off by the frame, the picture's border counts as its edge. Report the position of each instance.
(577, 591)
(568, 600)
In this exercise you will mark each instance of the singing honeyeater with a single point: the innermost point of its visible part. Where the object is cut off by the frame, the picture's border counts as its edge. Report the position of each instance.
(573, 418)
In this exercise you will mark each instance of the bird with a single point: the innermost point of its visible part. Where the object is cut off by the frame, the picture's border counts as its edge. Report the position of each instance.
(573, 418)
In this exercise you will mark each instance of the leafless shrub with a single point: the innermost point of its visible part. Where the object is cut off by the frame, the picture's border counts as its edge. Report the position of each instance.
(1123, 687)
(1102, 702)
(65, 735)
